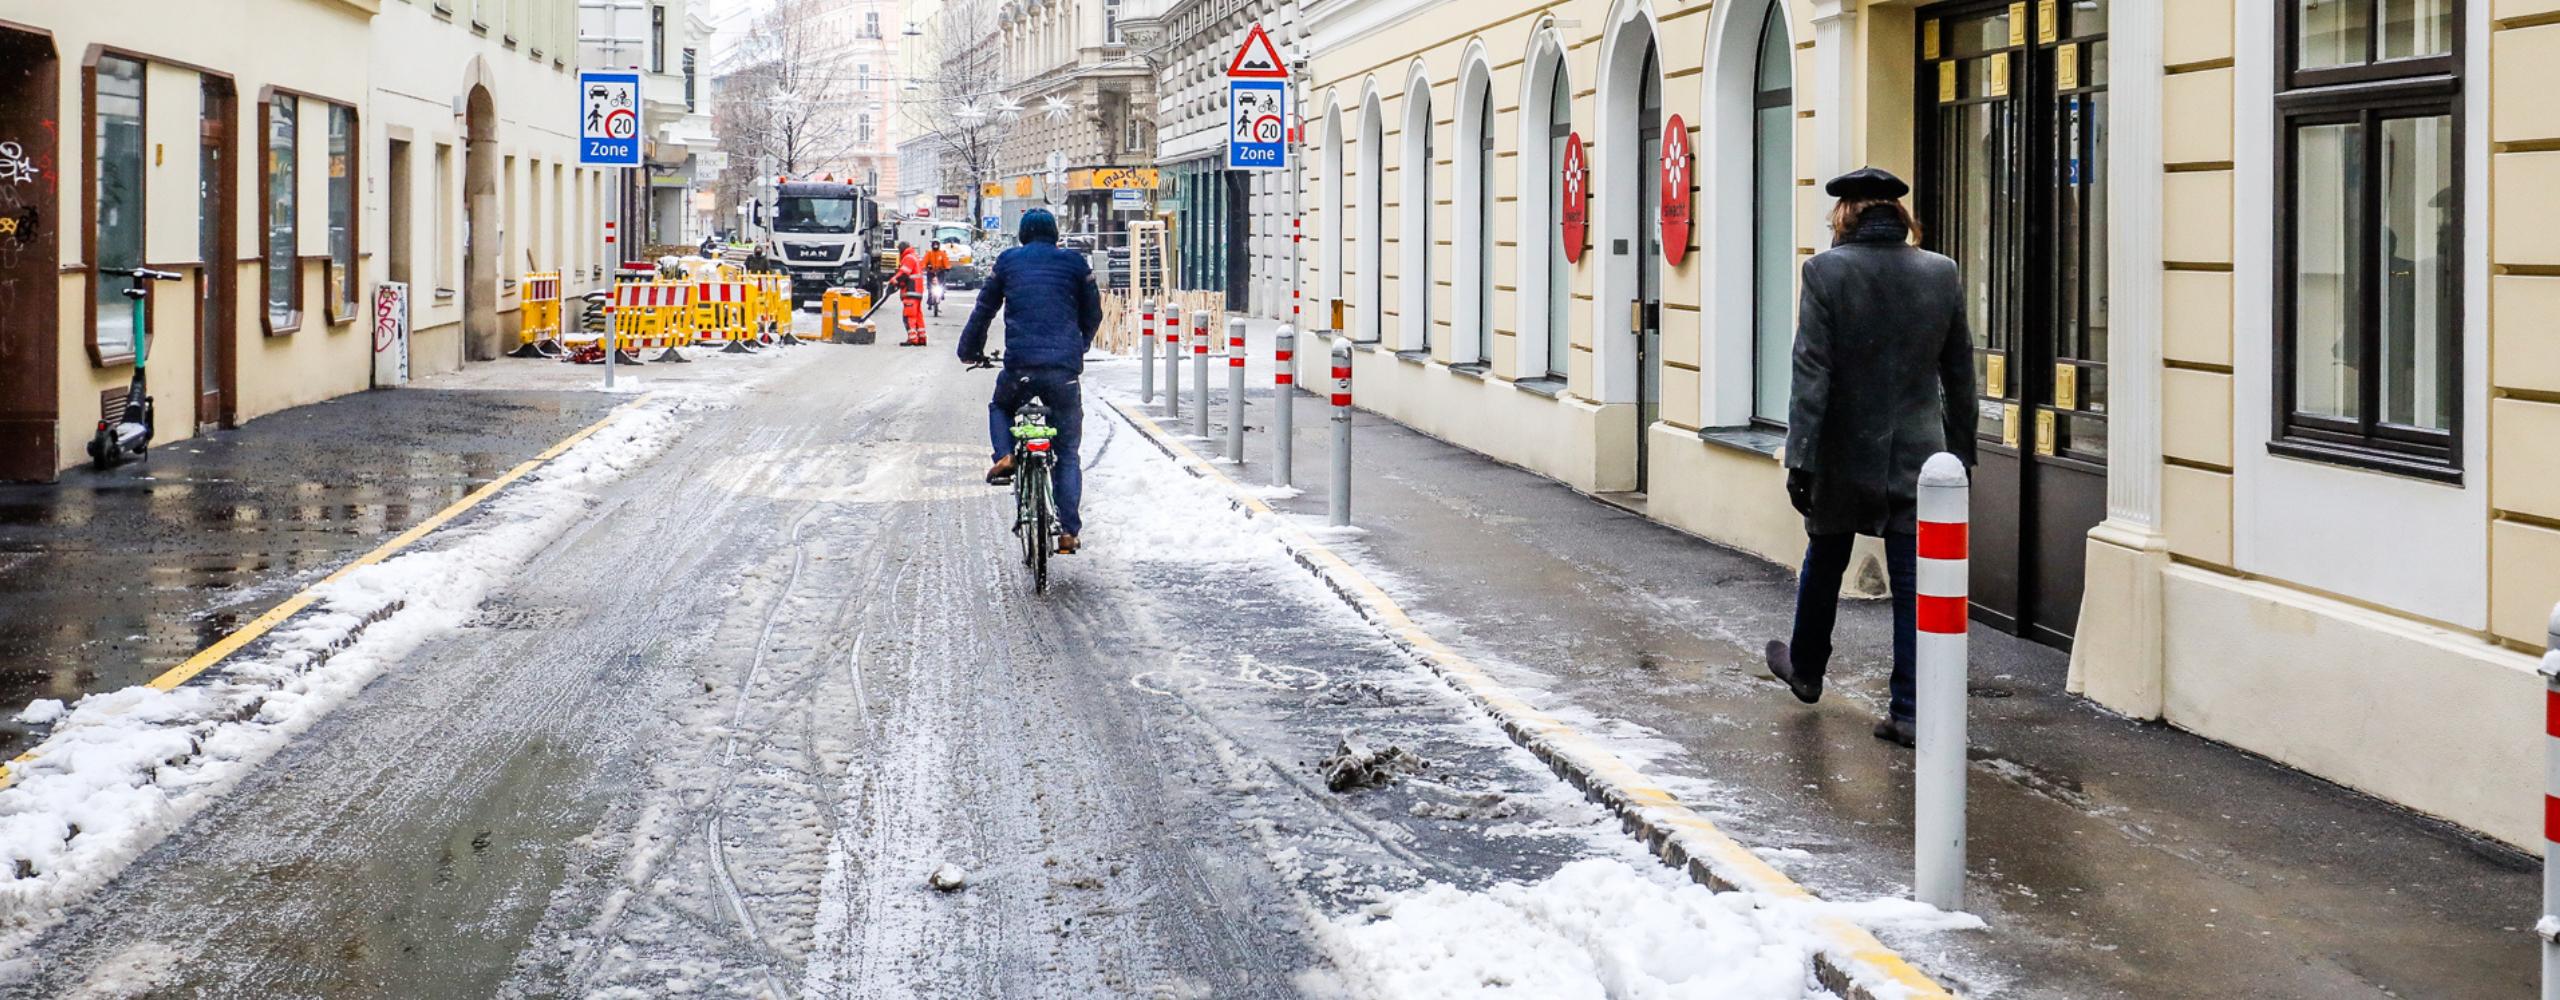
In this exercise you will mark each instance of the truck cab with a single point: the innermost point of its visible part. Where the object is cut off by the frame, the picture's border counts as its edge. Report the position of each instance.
(821, 234)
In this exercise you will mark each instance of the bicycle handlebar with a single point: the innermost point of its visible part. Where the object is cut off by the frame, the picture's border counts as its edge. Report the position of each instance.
(990, 361)
(141, 273)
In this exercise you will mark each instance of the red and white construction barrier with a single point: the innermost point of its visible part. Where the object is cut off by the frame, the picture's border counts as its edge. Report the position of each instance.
(1943, 571)
(2548, 928)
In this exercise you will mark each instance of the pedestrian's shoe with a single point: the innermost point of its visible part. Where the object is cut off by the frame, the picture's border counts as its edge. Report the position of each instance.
(1066, 545)
(1001, 473)
(1783, 667)
(1898, 731)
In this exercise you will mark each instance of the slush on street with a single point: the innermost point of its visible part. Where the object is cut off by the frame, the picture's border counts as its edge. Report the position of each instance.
(1290, 499)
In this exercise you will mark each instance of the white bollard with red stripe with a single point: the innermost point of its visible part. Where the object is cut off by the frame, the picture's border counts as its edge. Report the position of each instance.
(1940, 591)
(1284, 401)
(1147, 351)
(1172, 361)
(1341, 434)
(1235, 390)
(2548, 928)
(1200, 374)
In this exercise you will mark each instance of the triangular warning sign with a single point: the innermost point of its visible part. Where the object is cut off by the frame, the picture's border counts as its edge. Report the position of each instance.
(1257, 60)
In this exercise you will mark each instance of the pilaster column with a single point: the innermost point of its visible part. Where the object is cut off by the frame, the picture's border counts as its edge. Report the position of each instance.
(1835, 50)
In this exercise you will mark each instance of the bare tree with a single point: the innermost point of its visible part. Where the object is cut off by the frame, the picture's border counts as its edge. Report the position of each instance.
(960, 98)
(786, 103)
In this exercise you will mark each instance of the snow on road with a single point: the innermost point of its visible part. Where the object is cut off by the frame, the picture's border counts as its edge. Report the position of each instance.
(797, 670)
(121, 769)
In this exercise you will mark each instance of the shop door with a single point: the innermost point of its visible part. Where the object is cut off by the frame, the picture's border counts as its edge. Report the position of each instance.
(2013, 186)
(29, 244)
(217, 248)
(1648, 309)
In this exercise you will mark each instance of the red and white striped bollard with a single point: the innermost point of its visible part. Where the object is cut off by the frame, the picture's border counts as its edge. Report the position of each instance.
(1284, 401)
(1940, 591)
(1235, 390)
(1341, 434)
(2548, 928)
(1172, 313)
(1147, 351)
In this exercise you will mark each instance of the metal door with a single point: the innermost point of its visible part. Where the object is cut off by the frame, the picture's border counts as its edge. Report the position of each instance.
(2013, 186)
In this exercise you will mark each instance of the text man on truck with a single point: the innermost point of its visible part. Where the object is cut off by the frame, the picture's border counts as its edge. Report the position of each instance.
(821, 232)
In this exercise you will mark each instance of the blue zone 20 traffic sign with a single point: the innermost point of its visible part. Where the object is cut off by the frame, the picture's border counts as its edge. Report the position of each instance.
(1257, 124)
(609, 119)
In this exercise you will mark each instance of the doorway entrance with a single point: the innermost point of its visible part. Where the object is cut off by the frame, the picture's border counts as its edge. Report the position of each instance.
(2013, 185)
(217, 245)
(1647, 314)
(30, 245)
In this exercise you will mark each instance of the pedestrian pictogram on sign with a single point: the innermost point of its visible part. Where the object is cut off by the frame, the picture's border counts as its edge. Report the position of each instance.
(1258, 59)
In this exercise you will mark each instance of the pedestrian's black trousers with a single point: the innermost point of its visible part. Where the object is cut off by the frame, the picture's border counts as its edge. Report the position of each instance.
(1818, 606)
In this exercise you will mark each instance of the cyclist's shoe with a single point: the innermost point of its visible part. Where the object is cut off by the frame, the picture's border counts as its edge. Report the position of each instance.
(1066, 545)
(1001, 473)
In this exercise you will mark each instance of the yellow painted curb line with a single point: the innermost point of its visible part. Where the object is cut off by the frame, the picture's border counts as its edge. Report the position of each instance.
(1851, 956)
(222, 648)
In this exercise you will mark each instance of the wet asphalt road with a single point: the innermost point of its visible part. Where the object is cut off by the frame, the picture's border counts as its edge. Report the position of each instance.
(2111, 858)
(109, 578)
(711, 743)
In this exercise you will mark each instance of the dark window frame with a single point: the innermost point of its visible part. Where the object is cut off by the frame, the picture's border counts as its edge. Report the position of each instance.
(2366, 95)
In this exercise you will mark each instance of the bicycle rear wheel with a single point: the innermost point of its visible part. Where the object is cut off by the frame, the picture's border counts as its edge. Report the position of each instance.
(1044, 530)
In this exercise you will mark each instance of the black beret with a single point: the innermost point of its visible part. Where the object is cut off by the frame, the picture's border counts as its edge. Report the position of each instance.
(1867, 182)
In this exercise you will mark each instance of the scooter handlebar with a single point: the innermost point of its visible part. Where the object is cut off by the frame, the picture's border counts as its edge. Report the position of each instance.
(141, 273)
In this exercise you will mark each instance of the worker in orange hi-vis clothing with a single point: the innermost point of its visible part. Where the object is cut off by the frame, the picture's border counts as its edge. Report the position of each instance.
(910, 281)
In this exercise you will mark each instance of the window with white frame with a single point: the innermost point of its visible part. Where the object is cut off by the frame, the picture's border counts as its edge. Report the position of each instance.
(1559, 277)
(1773, 250)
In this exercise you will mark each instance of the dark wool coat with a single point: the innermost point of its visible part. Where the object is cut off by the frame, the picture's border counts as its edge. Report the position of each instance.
(1883, 378)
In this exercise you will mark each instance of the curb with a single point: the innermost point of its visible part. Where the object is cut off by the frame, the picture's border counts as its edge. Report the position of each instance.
(1851, 962)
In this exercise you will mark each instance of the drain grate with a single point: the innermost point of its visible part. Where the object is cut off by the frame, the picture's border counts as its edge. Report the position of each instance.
(520, 618)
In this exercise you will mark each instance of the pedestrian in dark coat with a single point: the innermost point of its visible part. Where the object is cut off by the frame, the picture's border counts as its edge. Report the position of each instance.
(1883, 380)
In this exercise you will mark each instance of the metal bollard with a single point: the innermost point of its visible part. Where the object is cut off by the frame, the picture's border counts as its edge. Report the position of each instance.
(1937, 778)
(2548, 928)
(1235, 390)
(1284, 401)
(1147, 351)
(1172, 361)
(1200, 374)
(1341, 435)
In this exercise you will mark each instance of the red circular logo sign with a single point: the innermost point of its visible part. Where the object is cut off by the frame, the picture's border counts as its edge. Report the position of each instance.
(1676, 187)
(1574, 216)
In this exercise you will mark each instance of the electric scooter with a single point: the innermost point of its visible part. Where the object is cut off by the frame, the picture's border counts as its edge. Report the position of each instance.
(125, 436)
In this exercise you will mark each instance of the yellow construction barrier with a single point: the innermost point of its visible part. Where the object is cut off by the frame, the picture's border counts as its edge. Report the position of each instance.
(539, 333)
(723, 313)
(840, 316)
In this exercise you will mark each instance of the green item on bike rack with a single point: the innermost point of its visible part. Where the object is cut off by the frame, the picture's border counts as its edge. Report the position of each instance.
(1033, 432)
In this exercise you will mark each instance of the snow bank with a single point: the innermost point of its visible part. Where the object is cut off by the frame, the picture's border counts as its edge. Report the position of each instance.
(121, 769)
(1598, 928)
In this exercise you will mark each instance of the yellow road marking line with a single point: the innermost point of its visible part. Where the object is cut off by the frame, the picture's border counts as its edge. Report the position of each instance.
(1851, 948)
(205, 658)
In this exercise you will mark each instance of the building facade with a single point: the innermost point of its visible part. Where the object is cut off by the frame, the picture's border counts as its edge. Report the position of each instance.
(283, 183)
(665, 41)
(1079, 105)
(2190, 414)
(1230, 226)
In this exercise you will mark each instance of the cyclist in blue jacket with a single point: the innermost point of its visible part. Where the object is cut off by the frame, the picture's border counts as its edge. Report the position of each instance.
(1051, 309)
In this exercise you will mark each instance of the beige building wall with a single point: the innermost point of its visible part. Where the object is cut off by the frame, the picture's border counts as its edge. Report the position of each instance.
(182, 45)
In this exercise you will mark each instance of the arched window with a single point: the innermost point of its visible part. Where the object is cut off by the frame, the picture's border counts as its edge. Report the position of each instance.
(1373, 222)
(1473, 342)
(1335, 181)
(1559, 269)
(1773, 252)
(1414, 236)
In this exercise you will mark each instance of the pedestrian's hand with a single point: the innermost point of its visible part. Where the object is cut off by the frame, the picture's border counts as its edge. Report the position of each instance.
(1800, 491)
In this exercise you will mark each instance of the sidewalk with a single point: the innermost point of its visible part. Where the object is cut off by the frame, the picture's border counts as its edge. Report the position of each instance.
(2111, 858)
(108, 579)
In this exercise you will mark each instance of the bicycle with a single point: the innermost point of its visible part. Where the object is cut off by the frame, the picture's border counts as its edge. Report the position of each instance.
(1035, 513)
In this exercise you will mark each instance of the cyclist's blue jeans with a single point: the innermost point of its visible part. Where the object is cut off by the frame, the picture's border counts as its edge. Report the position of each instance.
(1062, 392)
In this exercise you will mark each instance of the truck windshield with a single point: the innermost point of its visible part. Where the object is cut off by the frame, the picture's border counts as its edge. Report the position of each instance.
(803, 214)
